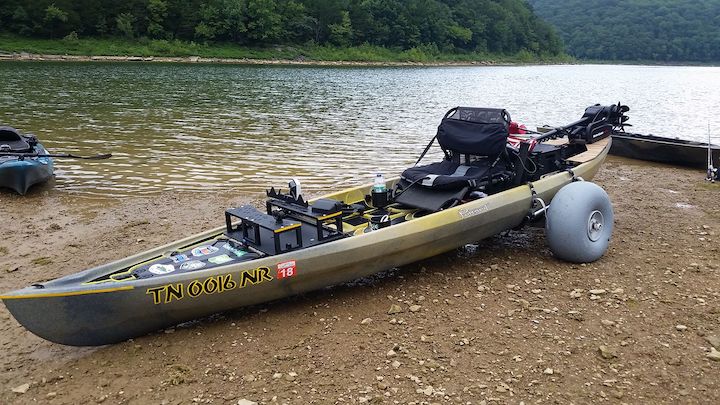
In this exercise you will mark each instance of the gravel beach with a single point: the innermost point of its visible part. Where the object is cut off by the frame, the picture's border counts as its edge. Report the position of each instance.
(498, 322)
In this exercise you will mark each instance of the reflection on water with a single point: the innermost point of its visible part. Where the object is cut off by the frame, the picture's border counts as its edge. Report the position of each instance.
(223, 127)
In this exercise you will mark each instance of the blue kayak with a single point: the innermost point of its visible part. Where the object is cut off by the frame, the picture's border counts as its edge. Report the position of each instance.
(20, 167)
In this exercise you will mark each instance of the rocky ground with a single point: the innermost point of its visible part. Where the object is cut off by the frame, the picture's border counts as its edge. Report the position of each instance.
(501, 322)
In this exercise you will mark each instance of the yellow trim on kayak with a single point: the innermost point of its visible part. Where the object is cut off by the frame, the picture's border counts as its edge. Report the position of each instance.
(65, 294)
(287, 228)
(328, 216)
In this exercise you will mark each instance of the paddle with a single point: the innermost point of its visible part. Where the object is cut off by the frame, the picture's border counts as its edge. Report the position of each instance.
(56, 155)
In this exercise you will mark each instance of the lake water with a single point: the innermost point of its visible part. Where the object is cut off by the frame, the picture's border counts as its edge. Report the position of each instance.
(229, 127)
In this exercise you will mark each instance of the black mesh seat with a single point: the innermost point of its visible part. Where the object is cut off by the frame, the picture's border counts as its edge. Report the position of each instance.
(474, 142)
(12, 141)
(449, 175)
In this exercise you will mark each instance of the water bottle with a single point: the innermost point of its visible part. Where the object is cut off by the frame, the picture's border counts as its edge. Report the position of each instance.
(379, 186)
(379, 192)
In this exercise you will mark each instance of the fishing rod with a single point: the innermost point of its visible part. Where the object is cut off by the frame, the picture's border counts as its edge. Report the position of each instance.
(711, 170)
(22, 155)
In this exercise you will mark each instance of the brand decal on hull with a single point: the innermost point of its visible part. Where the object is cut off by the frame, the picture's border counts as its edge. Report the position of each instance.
(216, 284)
(471, 212)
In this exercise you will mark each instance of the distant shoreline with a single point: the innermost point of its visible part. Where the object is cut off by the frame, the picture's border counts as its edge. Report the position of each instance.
(26, 56)
(42, 57)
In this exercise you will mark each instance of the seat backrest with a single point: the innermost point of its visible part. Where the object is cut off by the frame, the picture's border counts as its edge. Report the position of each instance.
(474, 131)
(12, 141)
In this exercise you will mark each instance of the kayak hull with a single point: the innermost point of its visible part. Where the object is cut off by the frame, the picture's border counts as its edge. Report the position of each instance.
(663, 150)
(20, 175)
(73, 311)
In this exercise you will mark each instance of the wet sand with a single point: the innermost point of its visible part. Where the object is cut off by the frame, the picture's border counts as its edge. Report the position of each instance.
(503, 322)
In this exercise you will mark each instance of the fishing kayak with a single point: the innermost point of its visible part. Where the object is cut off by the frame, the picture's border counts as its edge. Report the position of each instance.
(660, 149)
(18, 172)
(294, 246)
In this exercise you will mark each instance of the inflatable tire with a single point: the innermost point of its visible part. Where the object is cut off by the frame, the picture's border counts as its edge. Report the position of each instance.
(579, 222)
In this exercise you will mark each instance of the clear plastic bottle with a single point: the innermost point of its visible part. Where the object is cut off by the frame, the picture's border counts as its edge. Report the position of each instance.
(379, 186)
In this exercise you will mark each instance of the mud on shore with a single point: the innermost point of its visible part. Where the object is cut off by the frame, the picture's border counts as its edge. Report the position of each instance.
(500, 322)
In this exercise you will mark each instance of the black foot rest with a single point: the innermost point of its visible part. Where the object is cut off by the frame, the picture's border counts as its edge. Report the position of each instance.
(257, 230)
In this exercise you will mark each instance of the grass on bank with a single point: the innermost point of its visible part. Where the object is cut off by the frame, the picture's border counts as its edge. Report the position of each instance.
(310, 52)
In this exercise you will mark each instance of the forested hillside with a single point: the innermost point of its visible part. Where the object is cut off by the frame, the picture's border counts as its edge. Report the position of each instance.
(494, 26)
(655, 30)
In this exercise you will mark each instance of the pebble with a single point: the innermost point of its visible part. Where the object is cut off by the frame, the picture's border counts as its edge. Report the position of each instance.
(52, 394)
(395, 309)
(607, 322)
(391, 353)
(502, 388)
(597, 291)
(549, 371)
(366, 321)
(249, 378)
(607, 353)
(246, 402)
(680, 327)
(396, 364)
(415, 308)
(713, 340)
(21, 389)
(714, 354)
(277, 375)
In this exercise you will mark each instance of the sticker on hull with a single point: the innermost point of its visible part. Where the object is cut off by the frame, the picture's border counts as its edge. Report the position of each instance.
(212, 285)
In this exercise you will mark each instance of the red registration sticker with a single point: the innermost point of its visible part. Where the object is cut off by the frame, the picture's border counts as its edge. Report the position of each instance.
(286, 269)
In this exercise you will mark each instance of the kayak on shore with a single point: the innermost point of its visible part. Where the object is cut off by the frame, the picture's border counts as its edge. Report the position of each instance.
(486, 183)
(20, 165)
(660, 149)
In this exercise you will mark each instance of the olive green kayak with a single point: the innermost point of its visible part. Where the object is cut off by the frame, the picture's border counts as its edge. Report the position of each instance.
(95, 307)
(297, 246)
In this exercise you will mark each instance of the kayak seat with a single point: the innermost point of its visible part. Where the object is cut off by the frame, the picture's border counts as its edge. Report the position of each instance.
(474, 142)
(432, 200)
(449, 175)
(12, 141)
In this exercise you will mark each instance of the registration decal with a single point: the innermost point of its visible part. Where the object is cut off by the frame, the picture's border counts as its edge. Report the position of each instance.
(168, 293)
(286, 269)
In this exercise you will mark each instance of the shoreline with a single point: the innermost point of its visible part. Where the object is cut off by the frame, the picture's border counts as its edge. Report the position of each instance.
(26, 56)
(42, 57)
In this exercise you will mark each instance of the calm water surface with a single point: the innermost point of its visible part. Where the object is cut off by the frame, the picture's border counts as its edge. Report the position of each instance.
(222, 127)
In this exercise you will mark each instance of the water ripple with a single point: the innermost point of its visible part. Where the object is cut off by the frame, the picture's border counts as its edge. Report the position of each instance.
(209, 128)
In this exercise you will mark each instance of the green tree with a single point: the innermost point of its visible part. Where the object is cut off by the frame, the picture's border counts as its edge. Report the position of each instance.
(157, 13)
(341, 33)
(54, 19)
(263, 21)
(125, 24)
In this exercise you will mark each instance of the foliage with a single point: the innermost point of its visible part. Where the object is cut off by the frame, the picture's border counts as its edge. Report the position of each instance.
(125, 23)
(412, 26)
(651, 30)
(306, 52)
